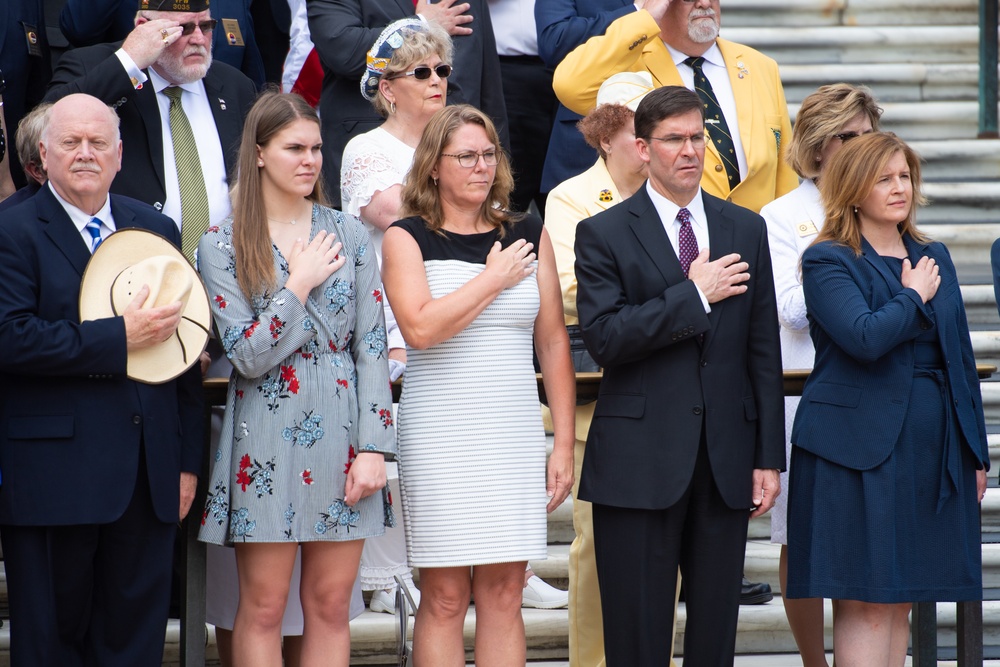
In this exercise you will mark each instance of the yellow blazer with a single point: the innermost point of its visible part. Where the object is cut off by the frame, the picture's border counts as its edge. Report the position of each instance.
(632, 43)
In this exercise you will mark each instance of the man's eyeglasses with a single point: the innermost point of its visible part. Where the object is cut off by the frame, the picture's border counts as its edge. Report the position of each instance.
(423, 73)
(677, 141)
(470, 160)
(204, 26)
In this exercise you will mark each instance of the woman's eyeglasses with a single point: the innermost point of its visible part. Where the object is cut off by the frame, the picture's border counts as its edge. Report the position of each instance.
(204, 26)
(423, 72)
(470, 160)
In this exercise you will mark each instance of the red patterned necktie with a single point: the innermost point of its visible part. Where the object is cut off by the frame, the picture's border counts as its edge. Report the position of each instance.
(687, 244)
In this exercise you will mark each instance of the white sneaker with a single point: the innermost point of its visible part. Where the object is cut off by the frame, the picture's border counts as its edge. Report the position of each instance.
(539, 595)
(384, 600)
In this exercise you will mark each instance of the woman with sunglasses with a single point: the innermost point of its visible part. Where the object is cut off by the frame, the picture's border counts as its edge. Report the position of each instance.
(827, 119)
(406, 82)
(470, 297)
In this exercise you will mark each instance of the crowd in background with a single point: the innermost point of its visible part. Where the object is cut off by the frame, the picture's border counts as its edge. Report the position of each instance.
(459, 181)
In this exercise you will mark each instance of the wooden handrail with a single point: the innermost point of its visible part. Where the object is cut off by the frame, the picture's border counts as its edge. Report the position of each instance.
(193, 638)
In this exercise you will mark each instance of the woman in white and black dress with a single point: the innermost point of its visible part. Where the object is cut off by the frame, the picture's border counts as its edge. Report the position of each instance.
(470, 298)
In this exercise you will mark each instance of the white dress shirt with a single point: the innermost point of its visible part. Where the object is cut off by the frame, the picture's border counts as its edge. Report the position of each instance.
(80, 219)
(514, 27)
(667, 210)
(213, 166)
(715, 71)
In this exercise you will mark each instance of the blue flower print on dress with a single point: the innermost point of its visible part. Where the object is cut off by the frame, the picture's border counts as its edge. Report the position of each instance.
(376, 341)
(338, 515)
(217, 504)
(340, 294)
(241, 526)
(306, 432)
(289, 515)
(389, 517)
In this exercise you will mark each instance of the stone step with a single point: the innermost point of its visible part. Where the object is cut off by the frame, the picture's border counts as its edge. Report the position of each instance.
(891, 82)
(797, 13)
(925, 121)
(961, 203)
(968, 159)
(980, 304)
(861, 44)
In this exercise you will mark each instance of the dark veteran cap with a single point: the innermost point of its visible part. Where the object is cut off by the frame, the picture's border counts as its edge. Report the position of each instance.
(174, 5)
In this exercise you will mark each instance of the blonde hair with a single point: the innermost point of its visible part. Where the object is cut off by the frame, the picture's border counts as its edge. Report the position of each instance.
(420, 194)
(417, 45)
(271, 113)
(821, 116)
(849, 179)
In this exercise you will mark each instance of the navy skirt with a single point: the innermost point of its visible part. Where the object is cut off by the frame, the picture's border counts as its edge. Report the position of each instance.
(905, 531)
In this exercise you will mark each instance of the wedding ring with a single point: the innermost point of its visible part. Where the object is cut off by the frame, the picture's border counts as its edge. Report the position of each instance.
(164, 39)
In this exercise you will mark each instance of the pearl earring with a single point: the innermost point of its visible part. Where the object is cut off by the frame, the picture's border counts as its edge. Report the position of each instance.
(435, 181)
(260, 163)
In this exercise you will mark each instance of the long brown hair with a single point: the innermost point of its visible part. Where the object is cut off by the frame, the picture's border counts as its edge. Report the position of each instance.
(270, 114)
(849, 179)
(420, 194)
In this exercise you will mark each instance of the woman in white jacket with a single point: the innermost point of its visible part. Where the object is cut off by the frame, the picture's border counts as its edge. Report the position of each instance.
(828, 118)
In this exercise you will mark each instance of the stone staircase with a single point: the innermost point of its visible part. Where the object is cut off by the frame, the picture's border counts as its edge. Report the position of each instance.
(920, 59)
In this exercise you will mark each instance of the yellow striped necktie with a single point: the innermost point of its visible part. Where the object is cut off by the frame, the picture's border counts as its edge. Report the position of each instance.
(194, 196)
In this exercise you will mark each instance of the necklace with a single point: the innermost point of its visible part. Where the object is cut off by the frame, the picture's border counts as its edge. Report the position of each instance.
(282, 222)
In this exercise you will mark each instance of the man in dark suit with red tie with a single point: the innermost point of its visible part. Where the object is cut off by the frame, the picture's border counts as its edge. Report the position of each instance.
(97, 468)
(676, 303)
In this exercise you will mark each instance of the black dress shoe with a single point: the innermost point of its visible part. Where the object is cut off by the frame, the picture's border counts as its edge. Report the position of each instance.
(758, 593)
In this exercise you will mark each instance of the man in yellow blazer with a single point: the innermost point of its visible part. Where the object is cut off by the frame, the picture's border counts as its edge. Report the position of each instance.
(658, 39)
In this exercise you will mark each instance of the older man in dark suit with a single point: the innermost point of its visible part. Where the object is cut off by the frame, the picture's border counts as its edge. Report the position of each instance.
(181, 113)
(676, 302)
(97, 468)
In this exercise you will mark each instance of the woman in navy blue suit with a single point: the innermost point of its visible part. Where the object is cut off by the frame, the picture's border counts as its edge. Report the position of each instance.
(890, 455)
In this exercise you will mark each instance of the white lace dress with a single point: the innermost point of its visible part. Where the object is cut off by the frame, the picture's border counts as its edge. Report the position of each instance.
(372, 162)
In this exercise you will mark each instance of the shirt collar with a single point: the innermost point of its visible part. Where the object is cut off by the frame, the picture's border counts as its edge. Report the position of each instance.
(159, 83)
(667, 209)
(79, 218)
(712, 56)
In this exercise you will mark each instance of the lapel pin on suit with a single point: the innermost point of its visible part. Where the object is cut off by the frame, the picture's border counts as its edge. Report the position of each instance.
(743, 71)
(222, 104)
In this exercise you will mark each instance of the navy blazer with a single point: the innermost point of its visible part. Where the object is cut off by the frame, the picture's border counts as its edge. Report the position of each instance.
(863, 323)
(563, 25)
(640, 318)
(95, 70)
(71, 422)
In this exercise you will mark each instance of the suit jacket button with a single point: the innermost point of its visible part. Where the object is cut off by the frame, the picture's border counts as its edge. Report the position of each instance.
(718, 167)
(704, 363)
(697, 410)
(136, 419)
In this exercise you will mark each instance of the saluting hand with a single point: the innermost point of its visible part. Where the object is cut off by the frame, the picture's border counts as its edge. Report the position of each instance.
(149, 40)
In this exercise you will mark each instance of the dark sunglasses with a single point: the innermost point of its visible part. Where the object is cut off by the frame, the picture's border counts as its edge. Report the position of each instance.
(423, 72)
(204, 26)
(846, 136)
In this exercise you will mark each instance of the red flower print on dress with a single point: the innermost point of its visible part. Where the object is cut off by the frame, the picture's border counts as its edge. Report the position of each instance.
(385, 414)
(243, 478)
(250, 329)
(239, 393)
(288, 375)
(306, 476)
(378, 296)
(351, 455)
(221, 301)
(277, 326)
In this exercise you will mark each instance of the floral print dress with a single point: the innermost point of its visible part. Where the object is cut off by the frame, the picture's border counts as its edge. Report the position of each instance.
(310, 390)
